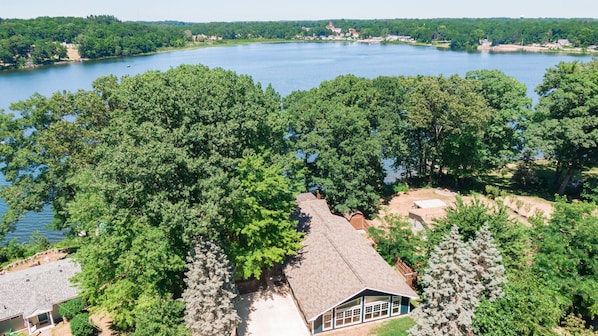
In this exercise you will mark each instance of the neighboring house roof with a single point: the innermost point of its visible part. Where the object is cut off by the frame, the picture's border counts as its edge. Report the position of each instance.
(336, 262)
(34, 290)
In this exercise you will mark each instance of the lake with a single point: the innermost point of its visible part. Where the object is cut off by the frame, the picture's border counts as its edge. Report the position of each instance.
(286, 66)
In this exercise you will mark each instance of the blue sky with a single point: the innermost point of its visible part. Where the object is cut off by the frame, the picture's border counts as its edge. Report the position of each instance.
(276, 10)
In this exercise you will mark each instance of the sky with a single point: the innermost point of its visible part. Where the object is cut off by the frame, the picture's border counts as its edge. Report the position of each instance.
(279, 10)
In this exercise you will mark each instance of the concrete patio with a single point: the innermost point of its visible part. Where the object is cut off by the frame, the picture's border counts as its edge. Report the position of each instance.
(270, 312)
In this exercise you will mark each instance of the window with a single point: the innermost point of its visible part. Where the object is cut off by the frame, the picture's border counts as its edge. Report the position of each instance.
(348, 313)
(347, 317)
(327, 320)
(376, 307)
(43, 318)
(396, 305)
(356, 302)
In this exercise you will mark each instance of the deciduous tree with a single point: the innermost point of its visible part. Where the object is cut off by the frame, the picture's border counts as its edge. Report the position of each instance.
(510, 108)
(397, 240)
(261, 233)
(334, 129)
(565, 127)
(446, 118)
(567, 255)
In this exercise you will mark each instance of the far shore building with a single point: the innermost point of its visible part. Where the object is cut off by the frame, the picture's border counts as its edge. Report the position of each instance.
(338, 279)
(30, 298)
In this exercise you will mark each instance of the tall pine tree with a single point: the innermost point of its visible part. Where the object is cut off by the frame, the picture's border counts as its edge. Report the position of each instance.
(211, 291)
(487, 263)
(451, 292)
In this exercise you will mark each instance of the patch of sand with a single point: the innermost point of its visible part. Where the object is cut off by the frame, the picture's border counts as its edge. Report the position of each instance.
(104, 323)
(72, 52)
(401, 203)
(521, 207)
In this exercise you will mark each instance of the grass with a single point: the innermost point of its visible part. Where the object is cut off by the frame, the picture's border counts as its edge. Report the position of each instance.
(395, 327)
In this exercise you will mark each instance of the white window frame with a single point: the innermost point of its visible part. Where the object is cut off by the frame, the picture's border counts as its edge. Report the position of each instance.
(331, 315)
(377, 306)
(352, 311)
(396, 304)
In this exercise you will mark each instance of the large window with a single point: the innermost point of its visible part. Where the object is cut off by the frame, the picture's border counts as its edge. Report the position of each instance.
(327, 320)
(376, 307)
(396, 305)
(348, 313)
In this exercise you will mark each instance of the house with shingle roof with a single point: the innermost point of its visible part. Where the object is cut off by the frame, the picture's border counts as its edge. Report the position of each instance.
(30, 298)
(338, 279)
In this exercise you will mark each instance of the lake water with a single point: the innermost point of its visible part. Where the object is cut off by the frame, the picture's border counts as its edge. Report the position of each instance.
(287, 66)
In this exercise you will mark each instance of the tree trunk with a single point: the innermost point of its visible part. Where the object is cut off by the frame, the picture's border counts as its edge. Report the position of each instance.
(431, 174)
(557, 175)
(563, 186)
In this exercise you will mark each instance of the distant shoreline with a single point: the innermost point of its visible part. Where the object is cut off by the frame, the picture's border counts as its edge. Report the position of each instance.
(501, 48)
(514, 48)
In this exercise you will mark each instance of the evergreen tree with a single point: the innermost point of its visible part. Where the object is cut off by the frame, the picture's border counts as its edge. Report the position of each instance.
(487, 263)
(211, 291)
(451, 292)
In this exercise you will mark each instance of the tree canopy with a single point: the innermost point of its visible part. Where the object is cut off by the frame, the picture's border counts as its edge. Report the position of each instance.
(147, 165)
(334, 128)
(565, 128)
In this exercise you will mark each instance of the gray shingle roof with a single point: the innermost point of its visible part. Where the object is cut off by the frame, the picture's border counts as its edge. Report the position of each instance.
(36, 288)
(336, 262)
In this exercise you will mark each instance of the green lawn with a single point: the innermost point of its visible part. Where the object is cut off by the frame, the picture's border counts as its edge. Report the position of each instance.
(395, 327)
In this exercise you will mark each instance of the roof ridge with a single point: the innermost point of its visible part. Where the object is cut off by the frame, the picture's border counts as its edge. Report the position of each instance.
(335, 246)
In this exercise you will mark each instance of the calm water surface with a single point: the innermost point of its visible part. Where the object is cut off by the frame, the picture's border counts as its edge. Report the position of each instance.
(287, 67)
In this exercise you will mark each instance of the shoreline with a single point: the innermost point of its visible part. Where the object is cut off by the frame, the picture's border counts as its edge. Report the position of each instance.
(517, 48)
(501, 48)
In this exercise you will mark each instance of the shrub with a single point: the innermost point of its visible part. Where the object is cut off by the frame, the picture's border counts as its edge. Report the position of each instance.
(526, 173)
(492, 192)
(164, 317)
(71, 308)
(81, 325)
(14, 250)
(401, 187)
(590, 190)
(38, 242)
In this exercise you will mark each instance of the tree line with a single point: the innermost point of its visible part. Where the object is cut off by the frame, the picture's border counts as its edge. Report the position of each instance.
(463, 33)
(154, 170)
(40, 40)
